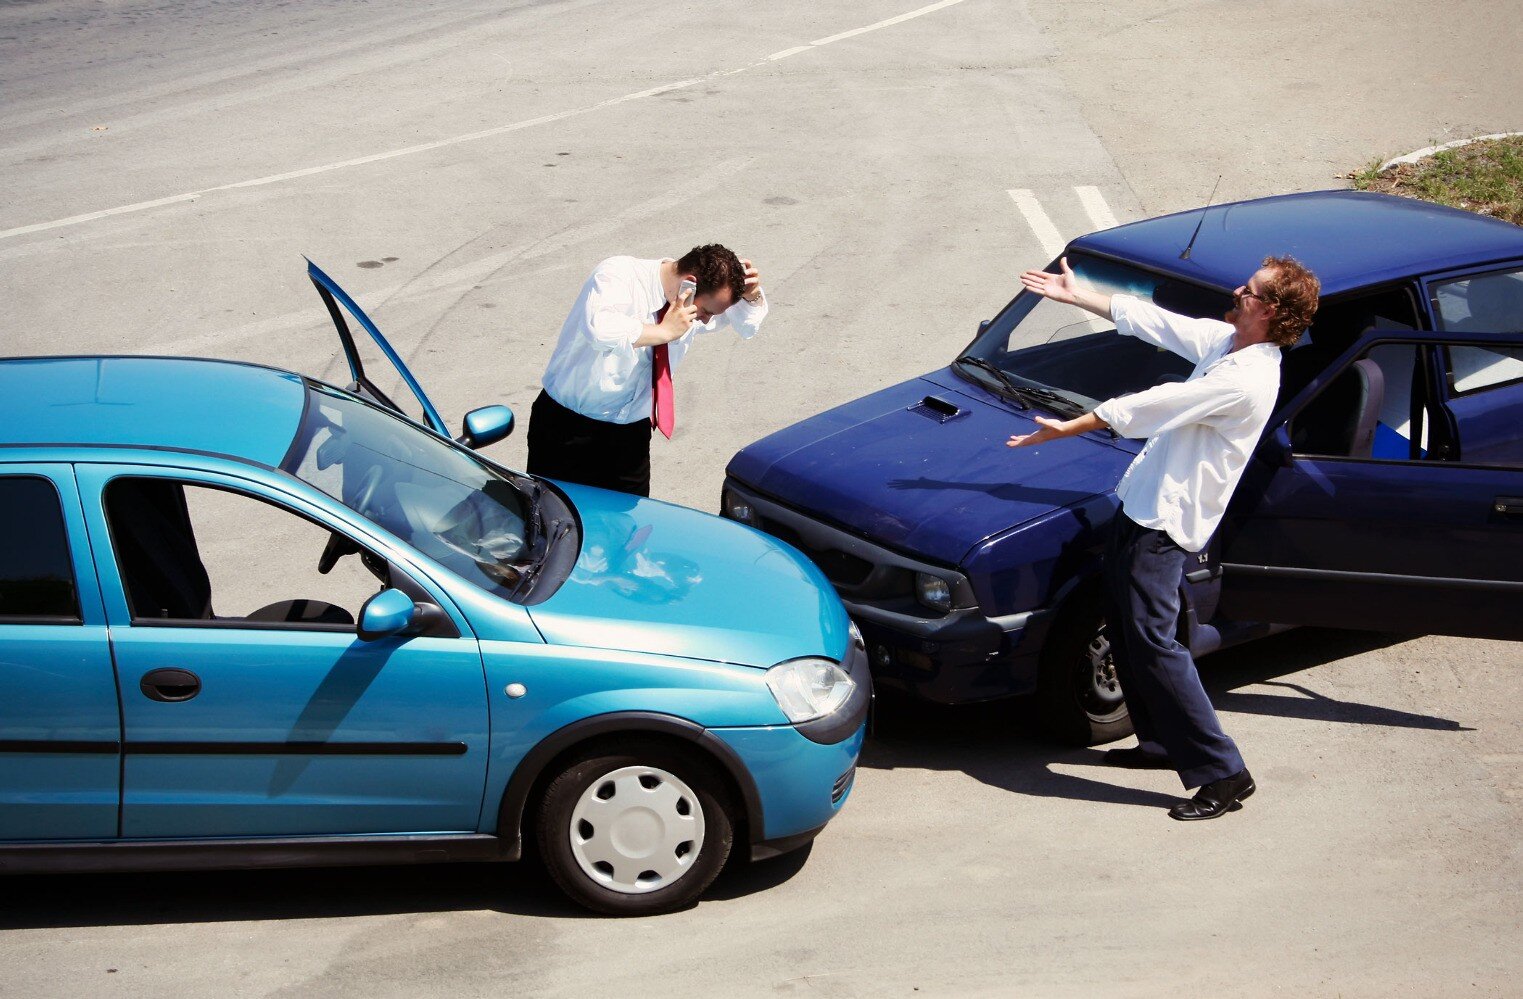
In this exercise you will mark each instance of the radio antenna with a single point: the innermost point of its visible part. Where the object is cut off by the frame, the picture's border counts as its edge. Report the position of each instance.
(1186, 254)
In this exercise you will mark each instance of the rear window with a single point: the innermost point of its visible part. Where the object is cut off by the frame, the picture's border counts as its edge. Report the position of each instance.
(36, 575)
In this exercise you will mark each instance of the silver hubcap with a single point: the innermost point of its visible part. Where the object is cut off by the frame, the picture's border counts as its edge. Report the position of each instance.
(636, 830)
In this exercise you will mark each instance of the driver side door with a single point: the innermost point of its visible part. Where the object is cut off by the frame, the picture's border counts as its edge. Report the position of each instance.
(250, 706)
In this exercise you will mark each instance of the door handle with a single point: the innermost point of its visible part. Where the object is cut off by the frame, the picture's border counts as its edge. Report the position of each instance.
(170, 685)
(1508, 506)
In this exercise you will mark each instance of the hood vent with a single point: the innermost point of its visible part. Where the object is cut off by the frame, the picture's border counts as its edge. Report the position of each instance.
(938, 409)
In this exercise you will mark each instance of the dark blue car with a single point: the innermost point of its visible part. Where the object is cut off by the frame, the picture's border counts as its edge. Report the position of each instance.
(1387, 492)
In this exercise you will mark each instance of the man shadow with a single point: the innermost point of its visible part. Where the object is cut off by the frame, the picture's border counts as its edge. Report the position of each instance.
(1000, 744)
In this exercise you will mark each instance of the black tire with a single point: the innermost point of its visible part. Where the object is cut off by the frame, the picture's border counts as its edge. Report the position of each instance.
(581, 774)
(1078, 699)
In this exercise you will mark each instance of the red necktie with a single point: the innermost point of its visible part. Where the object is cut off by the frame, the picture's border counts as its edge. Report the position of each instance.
(663, 416)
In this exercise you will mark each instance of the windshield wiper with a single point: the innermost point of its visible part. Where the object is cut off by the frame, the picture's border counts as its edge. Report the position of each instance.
(536, 519)
(1053, 400)
(1009, 386)
(525, 580)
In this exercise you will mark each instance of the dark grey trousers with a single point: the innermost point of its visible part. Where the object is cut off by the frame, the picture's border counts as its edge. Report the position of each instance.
(1168, 705)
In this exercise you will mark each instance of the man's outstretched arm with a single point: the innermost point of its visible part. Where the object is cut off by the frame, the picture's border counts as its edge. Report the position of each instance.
(1057, 429)
(1065, 288)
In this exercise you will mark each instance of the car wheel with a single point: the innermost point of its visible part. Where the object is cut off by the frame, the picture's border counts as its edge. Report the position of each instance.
(635, 831)
(1078, 698)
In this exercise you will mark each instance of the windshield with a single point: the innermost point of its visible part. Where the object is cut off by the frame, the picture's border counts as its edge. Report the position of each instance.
(438, 498)
(1038, 343)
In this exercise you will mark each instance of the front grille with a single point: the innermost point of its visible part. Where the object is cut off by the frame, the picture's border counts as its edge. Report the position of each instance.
(841, 568)
(842, 785)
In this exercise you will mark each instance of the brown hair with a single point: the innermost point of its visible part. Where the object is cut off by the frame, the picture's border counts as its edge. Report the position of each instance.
(714, 267)
(1293, 290)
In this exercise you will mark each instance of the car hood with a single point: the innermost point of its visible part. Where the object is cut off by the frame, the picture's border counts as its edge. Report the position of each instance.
(923, 467)
(653, 577)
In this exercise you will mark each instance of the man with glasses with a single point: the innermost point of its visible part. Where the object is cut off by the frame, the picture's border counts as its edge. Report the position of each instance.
(1200, 434)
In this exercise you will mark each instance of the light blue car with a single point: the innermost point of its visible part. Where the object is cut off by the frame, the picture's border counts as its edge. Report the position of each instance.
(248, 619)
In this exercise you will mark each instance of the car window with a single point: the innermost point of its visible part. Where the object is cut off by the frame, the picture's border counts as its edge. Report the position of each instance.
(1481, 303)
(1062, 347)
(1366, 410)
(193, 553)
(36, 574)
(439, 498)
(1473, 368)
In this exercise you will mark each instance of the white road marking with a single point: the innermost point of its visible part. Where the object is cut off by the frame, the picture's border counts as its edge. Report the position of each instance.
(458, 139)
(1046, 233)
(785, 53)
(928, 9)
(1094, 204)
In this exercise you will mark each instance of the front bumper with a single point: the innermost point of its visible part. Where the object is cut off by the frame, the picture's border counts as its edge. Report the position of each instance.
(953, 658)
(801, 784)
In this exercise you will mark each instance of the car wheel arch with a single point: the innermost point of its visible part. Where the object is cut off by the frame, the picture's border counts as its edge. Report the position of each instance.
(541, 764)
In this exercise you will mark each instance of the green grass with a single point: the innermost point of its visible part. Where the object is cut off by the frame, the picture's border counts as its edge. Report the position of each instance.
(1483, 177)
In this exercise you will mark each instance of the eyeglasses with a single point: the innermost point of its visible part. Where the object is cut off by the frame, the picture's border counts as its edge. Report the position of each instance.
(1243, 293)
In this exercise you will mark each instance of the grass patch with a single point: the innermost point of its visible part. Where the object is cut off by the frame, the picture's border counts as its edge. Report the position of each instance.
(1484, 177)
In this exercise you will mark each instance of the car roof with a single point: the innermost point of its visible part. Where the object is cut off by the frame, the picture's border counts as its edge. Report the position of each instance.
(224, 407)
(1349, 239)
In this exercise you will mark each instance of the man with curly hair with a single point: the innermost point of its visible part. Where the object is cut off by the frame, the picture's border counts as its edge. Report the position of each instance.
(1200, 434)
(609, 380)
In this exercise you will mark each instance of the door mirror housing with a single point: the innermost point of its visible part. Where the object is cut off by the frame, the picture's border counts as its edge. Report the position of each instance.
(486, 425)
(388, 613)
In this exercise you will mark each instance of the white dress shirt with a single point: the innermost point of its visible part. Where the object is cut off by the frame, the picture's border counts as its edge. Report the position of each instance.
(596, 369)
(1201, 432)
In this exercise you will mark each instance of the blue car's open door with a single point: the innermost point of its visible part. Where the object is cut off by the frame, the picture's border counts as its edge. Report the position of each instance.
(363, 384)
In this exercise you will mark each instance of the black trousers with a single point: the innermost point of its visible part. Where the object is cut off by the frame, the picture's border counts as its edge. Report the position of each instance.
(565, 445)
(1168, 705)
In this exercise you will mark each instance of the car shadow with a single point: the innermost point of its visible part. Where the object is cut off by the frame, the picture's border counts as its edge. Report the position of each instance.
(998, 743)
(521, 889)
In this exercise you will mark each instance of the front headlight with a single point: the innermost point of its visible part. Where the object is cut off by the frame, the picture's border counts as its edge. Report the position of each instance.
(735, 508)
(933, 591)
(809, 688)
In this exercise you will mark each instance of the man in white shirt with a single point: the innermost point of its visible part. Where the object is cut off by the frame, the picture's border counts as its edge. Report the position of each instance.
(609, 380)
(1200, 434)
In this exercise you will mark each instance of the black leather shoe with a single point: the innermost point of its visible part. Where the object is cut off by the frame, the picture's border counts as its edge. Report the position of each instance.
(1216, 798)
(1136, 758)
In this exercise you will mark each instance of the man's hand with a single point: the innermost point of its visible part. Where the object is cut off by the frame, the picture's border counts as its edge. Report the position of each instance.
(1065, 288)
(753, 292)
(1057, 429)
(1062, 287)
(679, 318)
(1051, 431)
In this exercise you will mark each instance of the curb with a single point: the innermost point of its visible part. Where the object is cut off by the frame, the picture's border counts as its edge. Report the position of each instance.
(1429, 151)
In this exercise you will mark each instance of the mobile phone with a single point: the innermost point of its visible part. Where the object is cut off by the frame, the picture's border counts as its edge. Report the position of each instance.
(686, 287)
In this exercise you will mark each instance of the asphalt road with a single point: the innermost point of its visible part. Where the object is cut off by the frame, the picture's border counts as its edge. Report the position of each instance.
(459, 167)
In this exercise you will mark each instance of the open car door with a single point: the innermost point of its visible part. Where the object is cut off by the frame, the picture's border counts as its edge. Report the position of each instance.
(333, 297)
(1413, 520)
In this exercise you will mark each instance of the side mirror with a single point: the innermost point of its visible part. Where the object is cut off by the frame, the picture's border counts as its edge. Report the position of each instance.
(386, 614)
(486, 425)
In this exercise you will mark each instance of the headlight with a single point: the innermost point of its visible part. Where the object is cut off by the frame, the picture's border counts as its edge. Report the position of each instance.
(735, 508)
(933, 591)
(809, 688)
